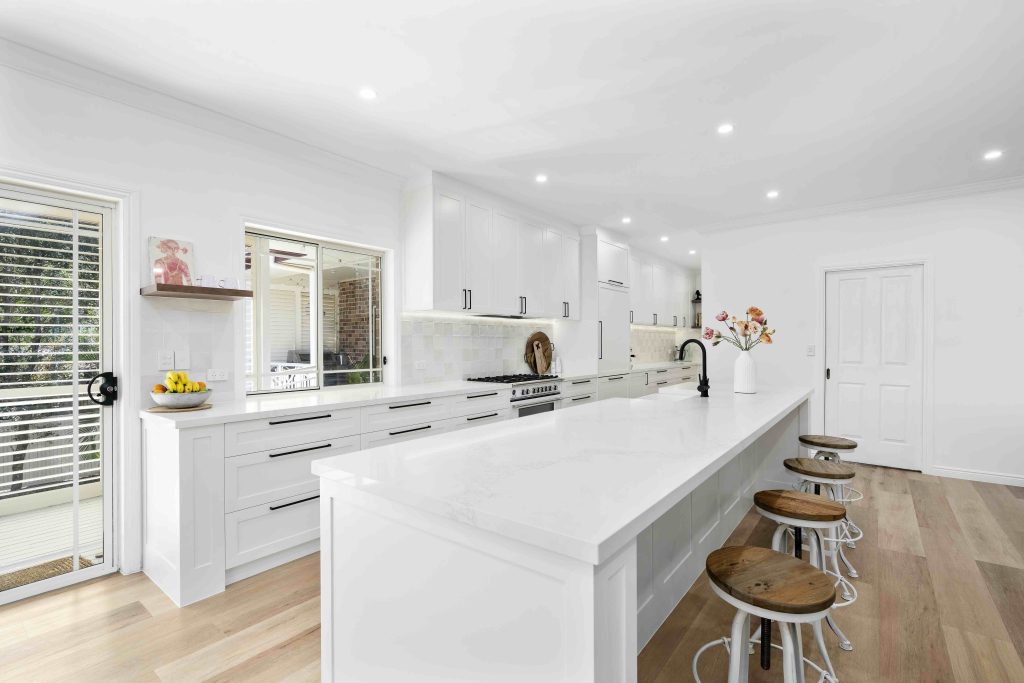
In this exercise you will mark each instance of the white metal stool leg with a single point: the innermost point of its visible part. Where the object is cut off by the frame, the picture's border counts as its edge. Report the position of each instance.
(739, 660)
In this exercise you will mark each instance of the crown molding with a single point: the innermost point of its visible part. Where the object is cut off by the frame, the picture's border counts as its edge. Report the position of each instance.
(881, 202)
(96, 83)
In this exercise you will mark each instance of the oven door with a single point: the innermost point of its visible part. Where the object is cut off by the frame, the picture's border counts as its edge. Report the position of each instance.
(534, 408)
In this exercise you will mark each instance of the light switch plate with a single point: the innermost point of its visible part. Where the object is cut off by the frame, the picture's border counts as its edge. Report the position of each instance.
(216, 375)
(810, 350)
(165, 360)
(182, 361)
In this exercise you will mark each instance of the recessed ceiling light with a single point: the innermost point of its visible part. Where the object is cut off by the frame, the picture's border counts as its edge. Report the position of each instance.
(627, 220)
(692, 252)
(993, 154)
(772, 194)
(368, 94)
(541, 178)
(725, 129)
(664, 238)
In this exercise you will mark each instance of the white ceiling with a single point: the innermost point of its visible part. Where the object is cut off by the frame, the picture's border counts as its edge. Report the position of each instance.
(617, 101)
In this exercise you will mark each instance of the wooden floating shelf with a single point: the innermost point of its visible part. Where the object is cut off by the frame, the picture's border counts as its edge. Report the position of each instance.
(189, 292)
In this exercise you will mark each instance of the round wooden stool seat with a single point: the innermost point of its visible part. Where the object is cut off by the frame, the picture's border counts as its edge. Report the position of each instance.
(824, 469)
(770, 580)
(822, 442)
(798, 505)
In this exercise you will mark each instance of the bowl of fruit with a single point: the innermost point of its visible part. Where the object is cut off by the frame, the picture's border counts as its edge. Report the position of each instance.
(178, 391)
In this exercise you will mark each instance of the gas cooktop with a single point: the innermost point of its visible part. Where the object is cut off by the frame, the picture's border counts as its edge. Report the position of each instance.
(512, 379)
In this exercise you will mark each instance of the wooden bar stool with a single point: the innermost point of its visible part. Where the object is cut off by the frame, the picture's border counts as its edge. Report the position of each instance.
(835, 477)
(774, 587)
(797, 512)
(828, 448)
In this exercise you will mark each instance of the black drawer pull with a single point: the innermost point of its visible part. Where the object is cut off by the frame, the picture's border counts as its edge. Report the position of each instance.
(300, 450)
(660, 371)
(612, 379)
(294, 502)
(581, 398)
(582, 381)
(660, 383)
(299, 419)
(406, 431)
(614, 282)
(411, 405)
(493, 393)
(481, 417)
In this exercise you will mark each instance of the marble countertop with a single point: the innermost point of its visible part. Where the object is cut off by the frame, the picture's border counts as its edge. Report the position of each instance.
(579, 482)
(276, 405)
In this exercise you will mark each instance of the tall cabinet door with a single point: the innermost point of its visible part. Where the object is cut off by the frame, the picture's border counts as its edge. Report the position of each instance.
(681, 299)
(480, 279)
(613, 330)
(504, 264)
(553, 284)
(531, 264)
(449, 252)
(661, 295)
(571, 276)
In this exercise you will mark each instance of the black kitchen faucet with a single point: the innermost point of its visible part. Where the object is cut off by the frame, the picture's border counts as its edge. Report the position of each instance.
(704, 384)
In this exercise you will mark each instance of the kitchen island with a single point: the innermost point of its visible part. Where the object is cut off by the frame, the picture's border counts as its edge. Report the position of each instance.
(543, 549)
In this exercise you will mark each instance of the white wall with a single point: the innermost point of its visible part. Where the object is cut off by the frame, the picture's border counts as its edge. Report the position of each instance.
(194, 185)
(974, 246)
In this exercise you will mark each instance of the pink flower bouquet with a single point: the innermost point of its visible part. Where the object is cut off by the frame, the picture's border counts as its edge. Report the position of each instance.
(743, 334)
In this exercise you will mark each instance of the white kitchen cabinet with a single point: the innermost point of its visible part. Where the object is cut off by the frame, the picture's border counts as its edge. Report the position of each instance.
(449, 252)
(613, 263)
(530, 253)
(580, 399)
(258, 532)
(640, 385)
(613, 386)
(682, 291)
(507, 299)
(641, 292)
(612, 329)
(480, 278)
(571, 276)
(662, 295)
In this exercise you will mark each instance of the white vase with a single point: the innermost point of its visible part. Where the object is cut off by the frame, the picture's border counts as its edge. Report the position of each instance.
(744, 374)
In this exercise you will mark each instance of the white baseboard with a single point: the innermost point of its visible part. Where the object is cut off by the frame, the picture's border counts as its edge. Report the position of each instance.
(277, 559)
(975, 475)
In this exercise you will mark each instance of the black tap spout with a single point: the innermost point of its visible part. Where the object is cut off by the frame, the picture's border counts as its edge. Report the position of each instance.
(704, 384)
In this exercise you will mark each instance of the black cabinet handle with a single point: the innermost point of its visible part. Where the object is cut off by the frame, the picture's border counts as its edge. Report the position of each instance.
(631, 316)
(660, 383)
(612, 379)
(615, 282)
(582, 381)
(406, 431)
(675, 321)
(299, 419)
(410, 405)
(493, 393)
(581, 398)
(524, 305)
(294, 502)
(300, 450)
(655, 318)
(660, 371)
(481, 417)
(471, 299)
(463, 299)
(600, 339)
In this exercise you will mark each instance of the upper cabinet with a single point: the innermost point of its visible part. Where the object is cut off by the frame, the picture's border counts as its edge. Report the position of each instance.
(466, 252)
(612, 263)
(659, 294)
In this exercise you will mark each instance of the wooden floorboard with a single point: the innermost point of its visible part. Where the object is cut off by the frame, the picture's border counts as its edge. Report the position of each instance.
(941, 598)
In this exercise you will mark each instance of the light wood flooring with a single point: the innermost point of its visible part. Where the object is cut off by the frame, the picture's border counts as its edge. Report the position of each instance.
(941, 599)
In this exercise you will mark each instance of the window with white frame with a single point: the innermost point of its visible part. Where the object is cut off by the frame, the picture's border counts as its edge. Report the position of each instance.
(315, 316)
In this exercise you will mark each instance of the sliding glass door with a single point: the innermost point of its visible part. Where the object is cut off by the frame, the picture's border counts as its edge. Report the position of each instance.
(55, 443)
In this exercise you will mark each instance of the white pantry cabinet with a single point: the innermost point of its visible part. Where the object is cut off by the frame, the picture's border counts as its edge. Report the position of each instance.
(612, 329)
(613, 263)
(467, 251)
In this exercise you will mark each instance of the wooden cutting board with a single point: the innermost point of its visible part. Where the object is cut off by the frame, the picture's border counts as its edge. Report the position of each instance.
(165, 409)
(538, 353)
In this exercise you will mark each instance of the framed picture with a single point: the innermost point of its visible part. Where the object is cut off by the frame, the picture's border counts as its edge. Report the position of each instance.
(172, 261)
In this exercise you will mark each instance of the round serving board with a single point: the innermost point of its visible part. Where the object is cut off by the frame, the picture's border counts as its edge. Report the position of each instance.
(538, 353)
(165, 409)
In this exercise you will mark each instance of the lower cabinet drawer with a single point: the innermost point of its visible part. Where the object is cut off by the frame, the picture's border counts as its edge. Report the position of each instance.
(280, 432)
(404, 433)
(579, 400)
(479, 419)
(257, 478)
(388, 416)
(267, 529)
(480, 402)
(578, 387)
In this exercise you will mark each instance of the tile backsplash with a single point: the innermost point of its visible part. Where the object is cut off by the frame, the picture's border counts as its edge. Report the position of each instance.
(651, 345)
(437, 349)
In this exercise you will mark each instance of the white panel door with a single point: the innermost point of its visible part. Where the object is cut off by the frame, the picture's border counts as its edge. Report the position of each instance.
(874, 357)
(661, 295)
(613, 263)
(479, 256)
(612, 329)
(505, 265)
(449, 253)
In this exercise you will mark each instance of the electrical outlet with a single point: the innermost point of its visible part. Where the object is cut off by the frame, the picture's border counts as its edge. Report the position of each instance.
(216, 375)
(165, 360)
(182, 361)
(421, 365)
(810, 350)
